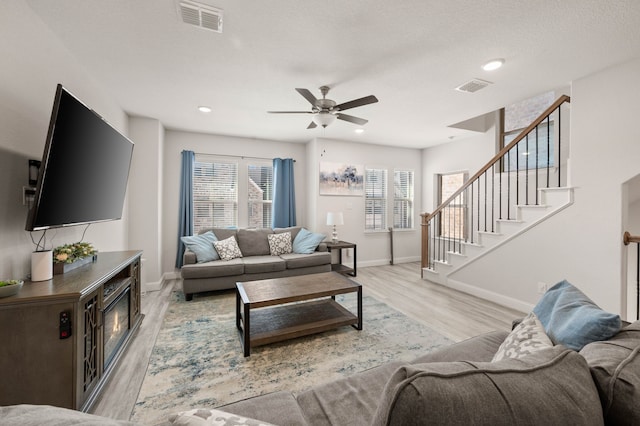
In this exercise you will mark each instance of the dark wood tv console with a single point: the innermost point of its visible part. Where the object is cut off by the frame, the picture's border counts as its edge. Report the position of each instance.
(42, 361)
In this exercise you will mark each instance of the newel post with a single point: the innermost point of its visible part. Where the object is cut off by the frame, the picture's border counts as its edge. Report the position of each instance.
(424, 254)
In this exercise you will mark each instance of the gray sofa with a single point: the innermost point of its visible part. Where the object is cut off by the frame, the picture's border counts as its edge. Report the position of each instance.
(256, 262)
(456, 385)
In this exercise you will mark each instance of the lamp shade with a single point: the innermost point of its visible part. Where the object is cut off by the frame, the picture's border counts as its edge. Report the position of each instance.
(324, 118)
(335, 218)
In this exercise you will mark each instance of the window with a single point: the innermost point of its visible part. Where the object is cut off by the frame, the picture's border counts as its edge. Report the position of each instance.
(453, 217)
(215, 193)
(536, 151)
(375, 199)
(220, 196)
(403, 199)
(260, 195)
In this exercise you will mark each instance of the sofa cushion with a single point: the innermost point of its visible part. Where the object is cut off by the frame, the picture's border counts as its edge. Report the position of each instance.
(214, 269)
(572, 319)
(279, 408)
(295, 260)
(348, 401)
(32, 415)
(615, 368)
(476, 348)
(227, 249)
(253, 242)
(292, 229)
(527, 337)
(306, 241)
(279, 243)
(206, 416)
(261, 264)
(552, 386)
(202, 246)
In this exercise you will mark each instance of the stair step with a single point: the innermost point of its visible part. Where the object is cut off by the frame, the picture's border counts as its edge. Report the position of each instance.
(529, 213)
(508, 227)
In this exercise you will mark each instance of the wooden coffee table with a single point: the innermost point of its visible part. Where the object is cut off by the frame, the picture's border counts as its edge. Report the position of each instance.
(280, 319)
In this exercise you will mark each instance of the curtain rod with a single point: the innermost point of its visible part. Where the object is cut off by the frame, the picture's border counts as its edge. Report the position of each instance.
(239, 156)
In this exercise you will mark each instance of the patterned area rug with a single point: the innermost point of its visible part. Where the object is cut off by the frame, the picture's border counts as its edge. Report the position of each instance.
(197, 360)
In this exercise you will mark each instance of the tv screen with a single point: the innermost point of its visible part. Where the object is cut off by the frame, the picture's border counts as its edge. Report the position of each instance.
(84, 169)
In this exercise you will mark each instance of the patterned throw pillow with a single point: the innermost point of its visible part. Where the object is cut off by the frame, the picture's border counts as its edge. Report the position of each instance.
(228, 249)
(280, 243)
(526, 338)
(203, 417)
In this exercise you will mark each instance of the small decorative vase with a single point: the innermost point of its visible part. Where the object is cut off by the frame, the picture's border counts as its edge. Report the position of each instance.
(41, 265)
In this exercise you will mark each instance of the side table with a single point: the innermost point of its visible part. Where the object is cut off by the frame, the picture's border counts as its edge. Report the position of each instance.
(339, 267)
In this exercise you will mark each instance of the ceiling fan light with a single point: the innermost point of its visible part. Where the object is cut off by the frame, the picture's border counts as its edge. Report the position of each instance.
(324, 118)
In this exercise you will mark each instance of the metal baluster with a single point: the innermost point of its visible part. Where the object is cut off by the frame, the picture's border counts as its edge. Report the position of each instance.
(471, 214)
(485, 201)
(500, 171)
(509, 185)
(548, 151)
(493, 190)
(559, 147)
(536, 165)
(526, 176)
(517, 174)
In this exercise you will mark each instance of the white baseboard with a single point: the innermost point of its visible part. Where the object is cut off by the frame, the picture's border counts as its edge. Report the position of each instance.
(157, 285)
(491, 296)
(382, 262)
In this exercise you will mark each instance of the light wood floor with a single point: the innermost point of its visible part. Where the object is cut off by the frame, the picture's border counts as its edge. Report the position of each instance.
(452, 313)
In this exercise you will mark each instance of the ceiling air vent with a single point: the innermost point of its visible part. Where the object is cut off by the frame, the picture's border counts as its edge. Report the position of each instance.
(201, 15)
(473, 85)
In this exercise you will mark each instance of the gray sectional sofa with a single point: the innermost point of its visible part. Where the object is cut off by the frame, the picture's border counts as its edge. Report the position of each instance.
(455, 385)
(256, 262)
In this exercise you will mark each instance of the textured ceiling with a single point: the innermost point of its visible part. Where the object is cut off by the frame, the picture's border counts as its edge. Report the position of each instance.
(411, 54)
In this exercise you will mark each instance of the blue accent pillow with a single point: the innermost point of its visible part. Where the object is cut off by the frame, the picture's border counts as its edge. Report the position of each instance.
(306, 241)
(202, 246)
(572, 319)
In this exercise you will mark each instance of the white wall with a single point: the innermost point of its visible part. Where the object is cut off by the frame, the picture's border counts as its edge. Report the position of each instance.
(177, 141)
(373, 247)
(33, 62)
(465, 155)
(584, 242)
(145, 196)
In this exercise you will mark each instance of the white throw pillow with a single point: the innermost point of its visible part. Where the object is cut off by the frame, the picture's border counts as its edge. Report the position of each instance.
(228, 249)
(527, 337)
(280, 243)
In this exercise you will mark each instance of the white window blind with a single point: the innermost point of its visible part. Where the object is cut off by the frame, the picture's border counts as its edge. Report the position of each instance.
(260, 194)
(215, 193)
(375, 199)
(403, 199)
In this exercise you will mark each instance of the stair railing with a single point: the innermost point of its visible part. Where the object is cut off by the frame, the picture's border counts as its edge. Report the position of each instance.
(627, 238)
(493, 192)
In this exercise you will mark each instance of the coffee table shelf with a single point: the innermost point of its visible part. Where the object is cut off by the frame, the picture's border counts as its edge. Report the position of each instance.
(273, 310)
(270, 325)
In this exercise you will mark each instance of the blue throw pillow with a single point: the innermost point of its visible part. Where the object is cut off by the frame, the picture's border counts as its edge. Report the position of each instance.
(572, 319)
(202, 246)
(306, 241)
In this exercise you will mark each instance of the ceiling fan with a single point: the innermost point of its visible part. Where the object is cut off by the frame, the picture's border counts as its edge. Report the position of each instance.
(325, 111)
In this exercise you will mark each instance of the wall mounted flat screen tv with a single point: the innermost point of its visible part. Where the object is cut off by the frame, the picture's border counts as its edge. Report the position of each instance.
(84, 170)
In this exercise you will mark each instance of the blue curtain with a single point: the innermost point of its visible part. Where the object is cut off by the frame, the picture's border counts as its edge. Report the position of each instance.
(185, 225)
(283, 208)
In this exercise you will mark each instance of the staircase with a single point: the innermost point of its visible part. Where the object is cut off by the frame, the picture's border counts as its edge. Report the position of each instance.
(514, 192)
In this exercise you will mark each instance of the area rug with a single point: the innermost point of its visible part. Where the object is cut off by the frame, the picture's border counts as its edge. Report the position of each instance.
(197, 360)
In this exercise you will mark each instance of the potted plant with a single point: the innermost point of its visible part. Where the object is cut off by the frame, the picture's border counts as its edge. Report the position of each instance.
(10, 287)
(71, 256)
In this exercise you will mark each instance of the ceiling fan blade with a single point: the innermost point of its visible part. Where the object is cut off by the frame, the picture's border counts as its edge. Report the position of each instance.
(356, 103)
(352, 119)
(312, 125)
(308, 96)
(290, 112)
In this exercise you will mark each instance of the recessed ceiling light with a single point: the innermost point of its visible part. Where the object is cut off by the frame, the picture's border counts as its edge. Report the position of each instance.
(493, 64)
(204, 108)
(359, 130)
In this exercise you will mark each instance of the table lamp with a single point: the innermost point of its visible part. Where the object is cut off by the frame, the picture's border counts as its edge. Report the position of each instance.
(334, 218)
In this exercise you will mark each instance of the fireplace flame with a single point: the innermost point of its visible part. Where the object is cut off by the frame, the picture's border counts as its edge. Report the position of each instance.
(116, 323)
